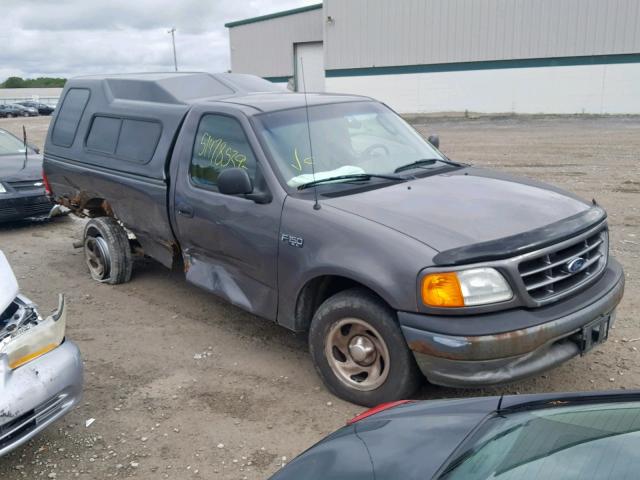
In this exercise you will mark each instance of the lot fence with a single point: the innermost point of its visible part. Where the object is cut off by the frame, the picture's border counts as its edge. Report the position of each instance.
(51, 101)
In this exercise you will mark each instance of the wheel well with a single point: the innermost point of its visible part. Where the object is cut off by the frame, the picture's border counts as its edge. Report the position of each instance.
(87, 207)
(97, 207)
(317, 291)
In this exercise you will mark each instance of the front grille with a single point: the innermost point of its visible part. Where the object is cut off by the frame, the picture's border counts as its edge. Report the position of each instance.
(40, 206)
(25, 185)
(549, 277)
(23, 425)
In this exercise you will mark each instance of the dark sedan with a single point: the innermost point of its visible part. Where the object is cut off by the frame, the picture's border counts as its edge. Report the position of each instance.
(594, 435)
(12, 111)
(22, 191)
(15, 110)
(42, 108)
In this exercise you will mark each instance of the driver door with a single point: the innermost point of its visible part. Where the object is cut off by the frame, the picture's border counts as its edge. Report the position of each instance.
(229, 243)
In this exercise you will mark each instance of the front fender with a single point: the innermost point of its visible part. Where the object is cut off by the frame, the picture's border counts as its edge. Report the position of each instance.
(335, 242)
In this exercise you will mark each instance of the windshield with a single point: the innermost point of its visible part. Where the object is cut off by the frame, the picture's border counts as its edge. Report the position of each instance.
(584, 442)
(10, 145)
(347, 139)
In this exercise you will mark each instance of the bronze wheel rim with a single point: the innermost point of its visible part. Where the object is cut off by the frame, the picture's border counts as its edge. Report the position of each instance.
(357, 354)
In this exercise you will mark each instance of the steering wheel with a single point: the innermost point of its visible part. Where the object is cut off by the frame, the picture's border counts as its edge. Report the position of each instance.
(376, 146)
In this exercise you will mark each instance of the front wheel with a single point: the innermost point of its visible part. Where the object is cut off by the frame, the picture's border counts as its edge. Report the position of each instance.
(107, 251)
(359, 350)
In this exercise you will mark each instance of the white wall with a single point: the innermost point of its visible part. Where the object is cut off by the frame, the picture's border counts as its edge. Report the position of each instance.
(265, 48)
(613, 88)
(45, 95)
(376, 33)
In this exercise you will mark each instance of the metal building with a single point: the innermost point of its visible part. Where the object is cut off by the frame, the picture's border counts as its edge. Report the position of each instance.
(527, 56)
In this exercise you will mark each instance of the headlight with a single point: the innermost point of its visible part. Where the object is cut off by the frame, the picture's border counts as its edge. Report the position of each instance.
(2, 188)
(465, 288)
(38, 340)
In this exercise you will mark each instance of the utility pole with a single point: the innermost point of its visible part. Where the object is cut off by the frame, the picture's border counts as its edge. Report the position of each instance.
(173, 40)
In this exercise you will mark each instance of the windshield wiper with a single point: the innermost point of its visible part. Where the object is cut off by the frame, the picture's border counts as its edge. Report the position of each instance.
(423, 163)
(353, 176)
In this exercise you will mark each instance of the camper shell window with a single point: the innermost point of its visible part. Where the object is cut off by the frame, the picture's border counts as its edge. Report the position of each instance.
(128, 139)
(68, 118)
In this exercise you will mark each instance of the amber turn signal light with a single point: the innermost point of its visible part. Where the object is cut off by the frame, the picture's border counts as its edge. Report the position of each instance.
(442, 290)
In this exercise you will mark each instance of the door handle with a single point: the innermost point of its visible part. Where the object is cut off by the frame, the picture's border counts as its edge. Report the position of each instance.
(185, 210)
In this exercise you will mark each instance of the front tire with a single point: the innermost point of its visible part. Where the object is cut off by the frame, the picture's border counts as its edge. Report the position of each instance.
(107, 251)
(359, 351)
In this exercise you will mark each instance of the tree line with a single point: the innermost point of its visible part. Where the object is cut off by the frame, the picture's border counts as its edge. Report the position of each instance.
(40, 82)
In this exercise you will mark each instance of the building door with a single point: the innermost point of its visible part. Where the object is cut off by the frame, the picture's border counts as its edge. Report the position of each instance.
(311, 56)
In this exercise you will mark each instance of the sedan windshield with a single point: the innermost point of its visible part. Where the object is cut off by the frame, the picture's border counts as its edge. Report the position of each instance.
(343, 142)
(581, 442)
(10, 145)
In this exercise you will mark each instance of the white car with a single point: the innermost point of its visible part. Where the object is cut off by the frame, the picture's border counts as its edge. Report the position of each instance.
(40, 372)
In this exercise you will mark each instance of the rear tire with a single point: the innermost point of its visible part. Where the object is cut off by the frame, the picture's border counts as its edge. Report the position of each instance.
(107, 251)
(359, 351)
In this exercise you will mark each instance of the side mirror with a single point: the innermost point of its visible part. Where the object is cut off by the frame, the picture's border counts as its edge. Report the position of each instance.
(33, 147)
(234, 181)
(434, 140)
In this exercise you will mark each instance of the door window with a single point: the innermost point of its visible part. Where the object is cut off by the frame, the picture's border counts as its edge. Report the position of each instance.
(220, 143)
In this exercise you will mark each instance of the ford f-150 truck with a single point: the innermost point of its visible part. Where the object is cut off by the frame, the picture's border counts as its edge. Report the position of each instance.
(330, 214)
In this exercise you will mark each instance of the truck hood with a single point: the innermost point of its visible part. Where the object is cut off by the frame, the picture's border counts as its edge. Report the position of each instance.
(14, 167)
(464, 207)
(8, 284)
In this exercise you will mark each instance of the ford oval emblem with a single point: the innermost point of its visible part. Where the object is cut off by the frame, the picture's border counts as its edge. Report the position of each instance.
(575, 265)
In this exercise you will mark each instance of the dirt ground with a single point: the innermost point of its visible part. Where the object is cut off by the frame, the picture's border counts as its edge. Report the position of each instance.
(182, 385)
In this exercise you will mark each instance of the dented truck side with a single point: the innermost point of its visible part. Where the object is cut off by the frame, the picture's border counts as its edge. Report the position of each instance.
(396, 259)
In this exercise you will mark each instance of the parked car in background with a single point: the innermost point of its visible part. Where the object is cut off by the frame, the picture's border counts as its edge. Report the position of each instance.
(15, 110)
(31, 111)
(22, 190)
(9, 110)
(40, 370)
(555, 436)
(330, 214)
(42, 108)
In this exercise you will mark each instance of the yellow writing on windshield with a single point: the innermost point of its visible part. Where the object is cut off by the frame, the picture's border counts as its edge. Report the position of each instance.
(297, 163)
(220, 154)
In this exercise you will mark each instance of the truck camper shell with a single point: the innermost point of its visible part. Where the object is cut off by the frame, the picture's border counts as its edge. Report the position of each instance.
(126, 125)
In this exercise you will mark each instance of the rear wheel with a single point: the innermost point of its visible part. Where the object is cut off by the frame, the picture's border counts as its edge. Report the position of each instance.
(107, 251)
(359, 350)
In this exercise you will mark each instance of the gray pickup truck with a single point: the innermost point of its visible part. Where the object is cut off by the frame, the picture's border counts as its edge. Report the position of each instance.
(330, 214)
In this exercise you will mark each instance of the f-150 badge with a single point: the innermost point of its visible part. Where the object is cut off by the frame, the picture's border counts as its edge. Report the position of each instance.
(292, 240)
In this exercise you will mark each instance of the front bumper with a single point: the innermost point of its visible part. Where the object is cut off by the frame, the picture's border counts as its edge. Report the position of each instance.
(483, 350)
(37, 394)
(18, 206)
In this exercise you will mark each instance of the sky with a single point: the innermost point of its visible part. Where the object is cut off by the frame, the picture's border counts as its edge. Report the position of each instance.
(64, 38)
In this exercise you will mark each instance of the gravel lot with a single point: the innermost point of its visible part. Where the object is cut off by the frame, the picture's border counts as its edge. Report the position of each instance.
(182, 385)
